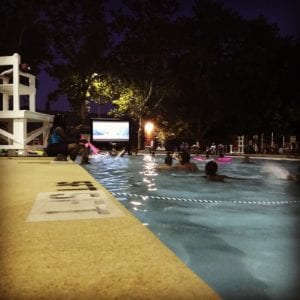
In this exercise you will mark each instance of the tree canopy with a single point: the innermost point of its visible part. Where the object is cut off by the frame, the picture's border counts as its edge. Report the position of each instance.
(208, 74)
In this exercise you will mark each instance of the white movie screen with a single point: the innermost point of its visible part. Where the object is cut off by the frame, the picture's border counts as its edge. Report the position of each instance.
(110, 131)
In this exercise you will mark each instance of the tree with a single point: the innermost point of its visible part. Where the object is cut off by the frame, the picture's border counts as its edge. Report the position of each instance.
(256, 70)
(131, 102)
(78, 43)
(143, 55)
(205, 76)
(230, 71)
(103, 89)
(23, 32)
(204, 37)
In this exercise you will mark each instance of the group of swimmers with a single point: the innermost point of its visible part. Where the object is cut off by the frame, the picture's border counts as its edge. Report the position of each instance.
(183, 159)
(211, 167)
(61, 147)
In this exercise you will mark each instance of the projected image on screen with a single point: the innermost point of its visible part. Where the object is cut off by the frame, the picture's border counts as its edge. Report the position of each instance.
(115, 131)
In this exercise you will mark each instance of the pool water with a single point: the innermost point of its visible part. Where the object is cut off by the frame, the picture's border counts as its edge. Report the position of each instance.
(241, 236)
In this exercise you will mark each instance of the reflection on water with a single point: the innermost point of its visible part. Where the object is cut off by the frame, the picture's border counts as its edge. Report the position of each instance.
(242, 236)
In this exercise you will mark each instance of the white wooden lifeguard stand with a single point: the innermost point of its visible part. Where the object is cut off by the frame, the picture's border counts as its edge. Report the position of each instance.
(14, 129)
(240, 146)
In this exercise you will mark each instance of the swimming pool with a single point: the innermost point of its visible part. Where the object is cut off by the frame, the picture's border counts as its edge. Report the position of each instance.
(242, 236)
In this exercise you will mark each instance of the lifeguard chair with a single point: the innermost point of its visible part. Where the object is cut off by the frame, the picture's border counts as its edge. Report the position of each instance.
(239, 149)
(21, 127)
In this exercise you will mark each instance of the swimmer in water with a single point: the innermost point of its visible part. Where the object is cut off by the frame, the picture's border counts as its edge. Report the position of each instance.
(185, 164)
(293, 177)
(211, 169)
(169, 159)
(247, 160)
(168, 162)
(280, 172)
(115, 152)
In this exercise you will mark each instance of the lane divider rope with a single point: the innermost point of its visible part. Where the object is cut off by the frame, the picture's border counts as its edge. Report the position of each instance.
(252, 202)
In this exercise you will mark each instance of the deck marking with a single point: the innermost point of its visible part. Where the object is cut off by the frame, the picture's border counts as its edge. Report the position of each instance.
(73, 205)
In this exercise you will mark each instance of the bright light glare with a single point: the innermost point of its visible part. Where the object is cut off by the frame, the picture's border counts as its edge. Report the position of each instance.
(149, 126)
(135, 203)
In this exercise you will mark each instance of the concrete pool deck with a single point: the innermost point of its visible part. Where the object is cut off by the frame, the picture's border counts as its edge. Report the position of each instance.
(64, 236)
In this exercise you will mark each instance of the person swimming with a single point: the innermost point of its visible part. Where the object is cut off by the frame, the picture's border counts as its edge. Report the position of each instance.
(169, 159)
(167, 163)
(211, 169)
(185, 164)
(280, 172)
(117, 153)
(248, 160)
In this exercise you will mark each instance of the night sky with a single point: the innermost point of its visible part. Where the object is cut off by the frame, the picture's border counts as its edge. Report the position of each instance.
(285, 13)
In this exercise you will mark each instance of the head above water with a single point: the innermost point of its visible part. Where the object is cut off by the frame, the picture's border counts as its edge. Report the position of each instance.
(211, 168)
(169, 159)
(185, 157)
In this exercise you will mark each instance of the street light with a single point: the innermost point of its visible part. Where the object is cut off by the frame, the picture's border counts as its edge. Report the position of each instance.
(149, 129)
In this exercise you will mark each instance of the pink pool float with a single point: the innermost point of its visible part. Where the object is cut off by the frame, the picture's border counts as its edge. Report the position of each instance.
(201, 158)
(225, 159)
